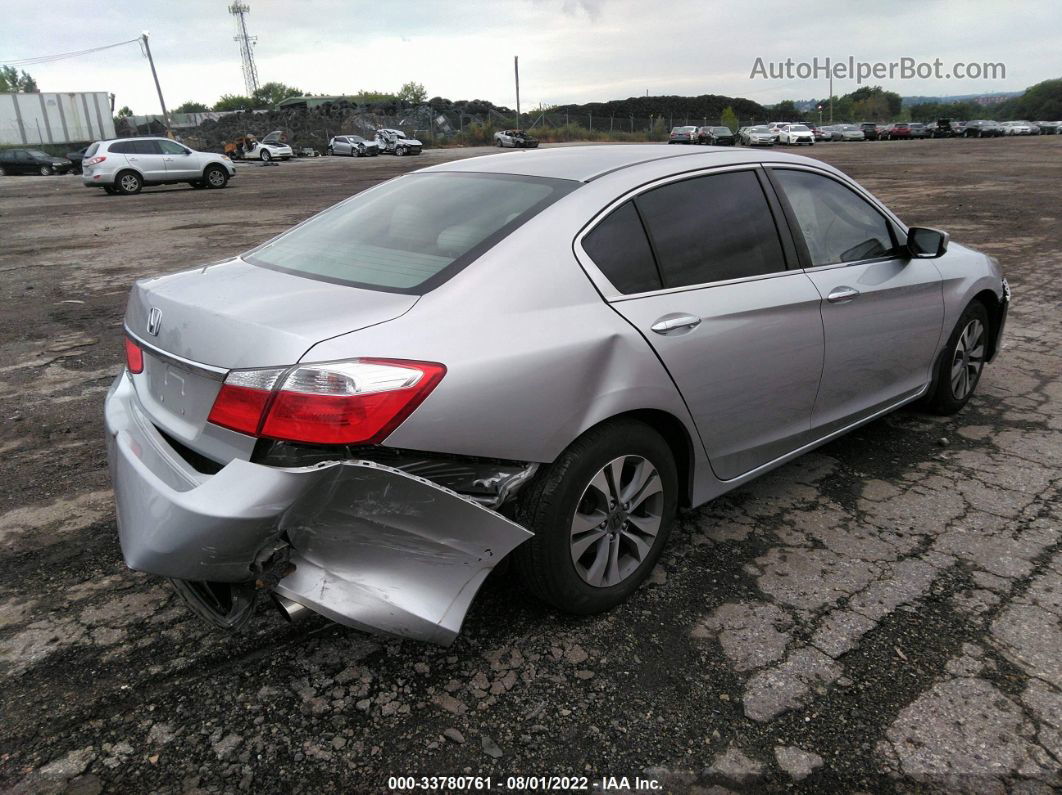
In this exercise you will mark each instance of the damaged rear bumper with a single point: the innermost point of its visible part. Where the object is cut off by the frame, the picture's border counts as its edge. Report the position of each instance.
(372, 547)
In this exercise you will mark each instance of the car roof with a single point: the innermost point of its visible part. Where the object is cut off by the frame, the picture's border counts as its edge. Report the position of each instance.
(587, 163)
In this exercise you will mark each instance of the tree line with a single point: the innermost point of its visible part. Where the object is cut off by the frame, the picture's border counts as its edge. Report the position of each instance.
(1042, 101)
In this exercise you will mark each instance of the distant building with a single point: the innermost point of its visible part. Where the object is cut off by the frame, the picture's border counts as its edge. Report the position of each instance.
(55, 118)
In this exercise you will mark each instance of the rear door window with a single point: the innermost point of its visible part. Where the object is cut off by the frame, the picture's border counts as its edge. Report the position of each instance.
(620, 249)
(122, 148)
(711, 229)
(146, 148)
(170, 147)
(413, 233)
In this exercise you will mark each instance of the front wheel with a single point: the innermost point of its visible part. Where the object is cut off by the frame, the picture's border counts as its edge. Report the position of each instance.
(46, 171)
(400, 151)
(601, 514)
(960, 367)
(216, 177)
(266, 157)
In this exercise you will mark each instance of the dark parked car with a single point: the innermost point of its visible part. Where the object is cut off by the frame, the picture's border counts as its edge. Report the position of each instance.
(714, 136)
(982, 128)
(943, 128)
(75, 159)
(870, 130)
(32, 161)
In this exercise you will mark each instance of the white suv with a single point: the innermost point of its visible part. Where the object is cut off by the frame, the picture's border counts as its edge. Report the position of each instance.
(125, 165)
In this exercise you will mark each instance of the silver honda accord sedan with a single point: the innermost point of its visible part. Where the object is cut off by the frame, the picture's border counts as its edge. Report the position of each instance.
(540, 356)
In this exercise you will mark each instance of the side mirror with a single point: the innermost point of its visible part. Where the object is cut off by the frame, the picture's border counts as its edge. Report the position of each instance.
(926, 243)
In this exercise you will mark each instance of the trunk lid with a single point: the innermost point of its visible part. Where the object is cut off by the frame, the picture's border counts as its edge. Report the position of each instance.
(228, 316)
(236, 315)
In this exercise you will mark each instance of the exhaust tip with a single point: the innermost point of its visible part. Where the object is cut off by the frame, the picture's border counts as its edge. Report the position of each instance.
(291, 611)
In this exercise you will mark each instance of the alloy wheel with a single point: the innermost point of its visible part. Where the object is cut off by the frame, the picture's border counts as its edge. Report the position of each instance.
(616, 521)
(130, 183)
(968, 359)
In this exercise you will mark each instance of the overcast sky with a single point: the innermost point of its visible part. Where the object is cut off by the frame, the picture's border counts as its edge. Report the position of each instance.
(570, 50)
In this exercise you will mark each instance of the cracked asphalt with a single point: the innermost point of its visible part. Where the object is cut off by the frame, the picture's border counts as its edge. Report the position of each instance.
(884, 614)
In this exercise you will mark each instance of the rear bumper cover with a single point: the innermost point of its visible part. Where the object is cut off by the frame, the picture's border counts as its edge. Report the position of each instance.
(373, 547)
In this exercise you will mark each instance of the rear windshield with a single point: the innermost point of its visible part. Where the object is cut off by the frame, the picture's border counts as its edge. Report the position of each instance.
(411, 234)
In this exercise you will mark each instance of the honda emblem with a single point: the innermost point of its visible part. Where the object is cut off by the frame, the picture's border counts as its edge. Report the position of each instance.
(154, 321)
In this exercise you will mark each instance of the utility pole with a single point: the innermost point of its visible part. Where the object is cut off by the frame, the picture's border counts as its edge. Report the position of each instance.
(154, 74)
(516, 69)
(831, 96)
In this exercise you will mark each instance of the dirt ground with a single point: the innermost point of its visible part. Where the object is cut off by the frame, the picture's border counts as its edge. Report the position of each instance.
(883, 614)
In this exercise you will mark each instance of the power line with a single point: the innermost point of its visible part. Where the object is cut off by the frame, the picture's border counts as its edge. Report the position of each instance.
(63, 55)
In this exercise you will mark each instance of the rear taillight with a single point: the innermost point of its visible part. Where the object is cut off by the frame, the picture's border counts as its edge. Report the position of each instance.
(134, 357)
(353, 402)
(94, 160)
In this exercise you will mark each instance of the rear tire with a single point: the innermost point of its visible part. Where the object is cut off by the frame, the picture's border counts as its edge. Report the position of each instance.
(128, 182)
(960, 367)
(562, 506)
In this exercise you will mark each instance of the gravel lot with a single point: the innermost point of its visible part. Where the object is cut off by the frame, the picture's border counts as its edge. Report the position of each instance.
(883, 614)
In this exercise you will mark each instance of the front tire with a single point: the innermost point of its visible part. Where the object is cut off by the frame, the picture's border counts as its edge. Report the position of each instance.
(215, 177)
(601, 514)
(46, 171)
(959, 369)
(266, 157)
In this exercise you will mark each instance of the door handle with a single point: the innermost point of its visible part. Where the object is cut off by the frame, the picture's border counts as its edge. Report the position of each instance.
(842, 295)
(673, 323)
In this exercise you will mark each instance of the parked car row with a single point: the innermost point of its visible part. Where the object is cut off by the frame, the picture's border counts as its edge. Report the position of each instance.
(386, 141)
(709, 135)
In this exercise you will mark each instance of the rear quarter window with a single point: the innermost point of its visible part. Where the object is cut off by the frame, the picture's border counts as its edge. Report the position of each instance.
(620, 249)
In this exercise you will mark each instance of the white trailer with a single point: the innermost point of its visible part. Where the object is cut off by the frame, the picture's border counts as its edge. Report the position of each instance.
(62, 118)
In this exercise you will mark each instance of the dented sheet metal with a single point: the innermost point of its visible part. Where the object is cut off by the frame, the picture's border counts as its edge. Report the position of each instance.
(373, 547)
(377, 548)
